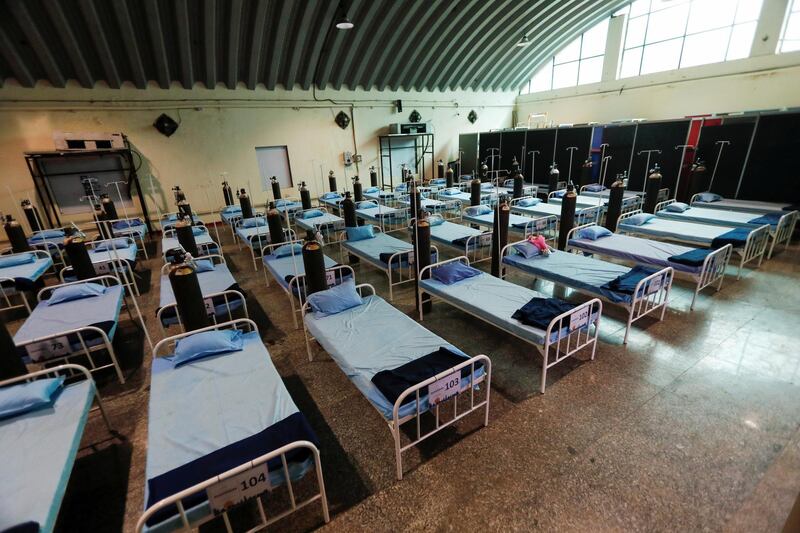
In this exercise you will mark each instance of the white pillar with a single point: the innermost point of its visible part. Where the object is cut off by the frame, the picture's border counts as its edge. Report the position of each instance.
(768, 30)
(616, 31)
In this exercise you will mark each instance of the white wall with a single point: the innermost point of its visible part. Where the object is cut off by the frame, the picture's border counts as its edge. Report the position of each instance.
(220, 129)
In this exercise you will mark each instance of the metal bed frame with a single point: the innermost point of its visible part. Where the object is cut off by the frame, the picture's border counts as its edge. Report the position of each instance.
(6, 292)
(55, 251)
(288, 235)
(203, 248)
(323, 230)
(754, 248)
(115, 264)
(295, 505)
(396, 220)
(420, 389)
(473, 246)
(558, 351)
(546, 224)
(117, 233)
(581, 215)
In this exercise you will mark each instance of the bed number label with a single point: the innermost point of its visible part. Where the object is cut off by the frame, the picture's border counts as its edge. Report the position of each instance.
(654, 286)
(209, 303)
(56, 347)
(102, 268)
(579, 319)
(444, 388)
(485, 239)
(411, 258)
(540, 224)
(228, 493)
(330, 278)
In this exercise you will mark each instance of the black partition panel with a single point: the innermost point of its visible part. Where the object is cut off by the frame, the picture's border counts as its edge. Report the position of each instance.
(513, 145)
(486, 142)
(580, 137)
(620, 143)
(738, 133)
(771, 174)
(543, 141)
(664, 136)
(468, 146)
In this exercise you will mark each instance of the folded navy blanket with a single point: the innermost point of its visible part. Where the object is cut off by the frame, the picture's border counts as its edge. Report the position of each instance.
(769, 218)
(736, 238)
(384, 257)
(393, 382)
(693, 258)
(626, 283)
(539, 312)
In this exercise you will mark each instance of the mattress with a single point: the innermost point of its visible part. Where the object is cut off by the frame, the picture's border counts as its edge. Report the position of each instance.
(25, 276)
(581, 201)
(227, 217)
(514, 221)
(750, 206)
(214, 281)
(281, 267)
(606, 194)
(371, 249)
(372, 337)
(314, 222)
(448, 232)
(573, 270)
(210, 415)
(638, 250)
(257, 237)
(539, 210)
(701, 234)
(376, 214)
(705, 215)
(382, 195)
(39, 449)
(171, 243)
(137, 229)
(426, 203)
(332, 202)
(466, 197)
(289, 207)
(125, 254)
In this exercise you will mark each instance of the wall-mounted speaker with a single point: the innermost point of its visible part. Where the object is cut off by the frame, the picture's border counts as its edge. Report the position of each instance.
(165, 125)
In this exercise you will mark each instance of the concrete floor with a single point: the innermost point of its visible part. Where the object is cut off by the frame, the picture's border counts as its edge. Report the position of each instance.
(693, 425)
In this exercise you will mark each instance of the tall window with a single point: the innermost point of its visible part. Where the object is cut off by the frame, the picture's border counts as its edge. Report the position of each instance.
(790, 36)
(670, 34)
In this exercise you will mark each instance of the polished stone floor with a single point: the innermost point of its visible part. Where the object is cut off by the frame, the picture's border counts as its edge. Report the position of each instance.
(693, 425)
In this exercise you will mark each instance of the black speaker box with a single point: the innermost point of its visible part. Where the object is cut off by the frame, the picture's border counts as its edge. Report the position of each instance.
(165, 125)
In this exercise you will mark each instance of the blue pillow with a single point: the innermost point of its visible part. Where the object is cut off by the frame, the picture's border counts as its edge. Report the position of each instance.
(336, 299)
(435, 220)
(677, 207)
(232, 209)
(709, 197)
(25, 397)
(288, 249)
(559, 194)
(113, 244)
(595, 187)
(75, 292)
(125, 224)
(527, 250)
(360, 233)
(204, 265)
(47, 234)
(594, 232)
(16, 259)
(372, 190)
(528, 202)
(330, 195)
(312, 213)
(449, 192)
(281, 202)
(401, 187)
(487, 185)
(255, 222)
(206, 344)
(438, 181)
(453, 272)
(640, 219)
(199, 230)
(367, 205)
(476, 210)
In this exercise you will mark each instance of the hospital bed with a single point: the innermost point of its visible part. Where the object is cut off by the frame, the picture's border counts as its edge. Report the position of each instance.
(168, 220)
(494, 301)
(507, 188)
(52, 242)
(473, 243)
(710, 270)
(40, 448)
(331, 200)
(117, 261)
(543, 209)
(221, 430)
(446, 208)
(546, 225)
(256, 237)
(465, 197)
(28, 275)
(134, 228)
(388, 218)
(781, 223)
(205, 244)
(388, 198)
(595, 278)
(374, 337)
(290, 274)
(582, 201)
(325, 224)
(600, 191)
(750, 244)
(746, 206)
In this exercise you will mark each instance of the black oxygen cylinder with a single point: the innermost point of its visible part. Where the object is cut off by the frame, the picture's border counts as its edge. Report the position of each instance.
(448, 176)
(357, 190)
(553, 178)
(275, 225)
(314, 264)
(567, 220)
(227, 193)
(499, 235)
(16, 236)
(475, 192)
(518, 180)
(247, 207)
(109, 208)
(615, 195)
(484, 173)
(32, 214)
(185, 209)
(651, 190)
(422, 254)
(75, 248)
(185, 235)
(440, 169)
(305, 196)
(415, 201)
(331, 181)
(697, 178)
(11, 364)
(586, 172)
(373, 177)
(349, 209)
(188, 297)
(276, 188)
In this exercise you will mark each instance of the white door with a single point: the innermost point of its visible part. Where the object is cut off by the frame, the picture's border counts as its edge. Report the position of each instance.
(274, 161)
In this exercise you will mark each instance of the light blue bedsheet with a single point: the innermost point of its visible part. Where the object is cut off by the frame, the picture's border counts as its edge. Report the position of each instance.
(289, 207)
(748, 206)
(539, 210)
(514, 221)
(376, 214)
(382, 195)
(137, 229)
(39, 450)
(280, 267)
(372, 337)
(447, 232)
(211, 282)
(426, 203)
(260, 236)
(693, 232)
(313, 222)
(638, 250)
(371, 249)
(581, 201)
(125, 254)
(606, 194)
(706, 215)
(171, 243)
(29, 271)
(227, 217)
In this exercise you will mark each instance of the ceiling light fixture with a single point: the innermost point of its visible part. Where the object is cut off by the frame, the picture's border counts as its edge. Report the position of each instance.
(525, 41)
(344, 23)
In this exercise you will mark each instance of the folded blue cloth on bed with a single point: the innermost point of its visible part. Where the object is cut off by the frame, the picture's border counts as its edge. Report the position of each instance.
(384, 257)
(595, 187)
(539, 312)
(125, 224)
(736, 237)
(25, 397)
(393, 382)
(16, 260)
(692, 258)
(626, 283)
(768, 218)
(47, 234)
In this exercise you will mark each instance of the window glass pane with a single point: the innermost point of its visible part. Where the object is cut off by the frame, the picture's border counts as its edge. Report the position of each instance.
(591, 70)
(793, 27)
(571, 52)
(594, 40)
(790, 46)
(541, 81)
(658, 5)
(640, 7)
(706, 47)
(661, 56)
(636, 29)
(622, 11)
(748, 10)
(565, 75)
(630, 62)
(741, 40)
(667, 23)
(710, 14)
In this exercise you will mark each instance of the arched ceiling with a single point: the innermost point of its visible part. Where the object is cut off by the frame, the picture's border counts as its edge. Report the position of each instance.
(396, 44)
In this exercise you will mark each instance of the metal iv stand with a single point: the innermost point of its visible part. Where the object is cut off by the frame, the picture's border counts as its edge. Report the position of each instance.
(722, 145)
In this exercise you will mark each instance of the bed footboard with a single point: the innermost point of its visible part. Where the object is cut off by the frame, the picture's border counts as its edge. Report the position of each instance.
(713, 270)
(650, 294)
(755, 247)
(229, 299)
(569, 333)
(783, 231)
